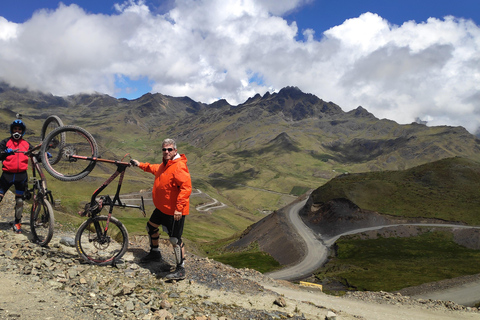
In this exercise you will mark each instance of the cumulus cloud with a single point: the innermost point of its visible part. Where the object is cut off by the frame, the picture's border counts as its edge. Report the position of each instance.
(215, 49)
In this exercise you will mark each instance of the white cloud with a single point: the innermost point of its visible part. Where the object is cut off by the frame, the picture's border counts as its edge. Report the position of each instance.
(214, 49)
(8, 30)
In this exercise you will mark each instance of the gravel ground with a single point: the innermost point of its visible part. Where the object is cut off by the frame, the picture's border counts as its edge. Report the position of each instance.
(50, 283)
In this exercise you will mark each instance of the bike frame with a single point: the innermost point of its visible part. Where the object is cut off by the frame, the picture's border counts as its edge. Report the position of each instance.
(106, 200)
(36, 167)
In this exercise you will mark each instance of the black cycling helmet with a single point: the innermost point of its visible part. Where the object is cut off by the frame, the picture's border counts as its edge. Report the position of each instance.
(18, 123)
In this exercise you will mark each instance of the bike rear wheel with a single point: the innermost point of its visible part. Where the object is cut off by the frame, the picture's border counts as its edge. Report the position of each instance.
(50, 124)
(63, 143)
(100, 247)
(42, 221)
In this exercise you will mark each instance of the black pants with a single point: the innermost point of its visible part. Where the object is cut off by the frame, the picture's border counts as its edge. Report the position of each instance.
(20, 180)
(174, 228)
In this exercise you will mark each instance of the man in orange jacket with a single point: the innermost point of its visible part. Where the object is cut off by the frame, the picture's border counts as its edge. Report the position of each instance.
(171, 196)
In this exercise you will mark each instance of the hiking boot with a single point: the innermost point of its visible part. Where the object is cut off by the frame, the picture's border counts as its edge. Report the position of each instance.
(152, 256)
(17, 228)
(178, 274)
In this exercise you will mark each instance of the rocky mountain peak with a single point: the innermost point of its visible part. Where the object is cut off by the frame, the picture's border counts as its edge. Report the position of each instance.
(361, 112)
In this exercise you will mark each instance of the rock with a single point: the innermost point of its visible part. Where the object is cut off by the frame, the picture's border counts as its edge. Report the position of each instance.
(164, 304)
(162, 315)
(280, 301)
(67, 241)
(331, 316)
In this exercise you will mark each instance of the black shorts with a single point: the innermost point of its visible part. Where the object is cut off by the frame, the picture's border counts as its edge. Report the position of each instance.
(20, 180)
(173, 228)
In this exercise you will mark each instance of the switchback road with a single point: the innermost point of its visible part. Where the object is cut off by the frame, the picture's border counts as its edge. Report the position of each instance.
(317, 253)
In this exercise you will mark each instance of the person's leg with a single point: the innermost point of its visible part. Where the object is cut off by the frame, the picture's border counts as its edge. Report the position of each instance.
(178, 249)
(154, 234)
(20, 182)
(6, 181)
(18, 208)
(5, 184)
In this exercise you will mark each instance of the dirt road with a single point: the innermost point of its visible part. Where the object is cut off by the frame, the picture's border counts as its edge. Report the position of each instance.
(317, 251)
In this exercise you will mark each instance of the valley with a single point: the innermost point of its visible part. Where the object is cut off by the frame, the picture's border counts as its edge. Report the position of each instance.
(254, 159)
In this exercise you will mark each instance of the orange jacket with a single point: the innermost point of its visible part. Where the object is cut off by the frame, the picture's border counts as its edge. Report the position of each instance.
(172, 186)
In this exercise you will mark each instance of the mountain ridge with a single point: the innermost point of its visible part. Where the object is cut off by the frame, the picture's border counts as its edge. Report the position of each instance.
(292, 141)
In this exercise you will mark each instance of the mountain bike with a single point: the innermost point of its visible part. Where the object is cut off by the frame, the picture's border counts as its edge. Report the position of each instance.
(42, 219)
(100, 240)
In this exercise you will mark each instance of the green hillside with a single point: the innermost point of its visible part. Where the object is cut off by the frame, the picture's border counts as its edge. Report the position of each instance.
(447, 189)
(255, 157)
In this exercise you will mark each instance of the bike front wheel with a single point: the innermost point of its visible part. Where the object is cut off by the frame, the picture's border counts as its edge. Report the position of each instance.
(100, 246)
(74, 147)
(42, 221)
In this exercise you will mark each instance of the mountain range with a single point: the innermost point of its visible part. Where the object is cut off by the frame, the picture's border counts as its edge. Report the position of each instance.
(253, 156)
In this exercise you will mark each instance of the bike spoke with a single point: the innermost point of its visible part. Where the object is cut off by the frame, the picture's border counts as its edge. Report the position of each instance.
(64, 143)
(42, 222)
(101, 247)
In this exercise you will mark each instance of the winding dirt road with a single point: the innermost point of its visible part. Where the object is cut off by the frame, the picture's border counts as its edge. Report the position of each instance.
(317, 253)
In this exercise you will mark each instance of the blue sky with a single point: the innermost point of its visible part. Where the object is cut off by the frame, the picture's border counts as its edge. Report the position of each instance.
(400, 60)
(318, 15)
(322, 15)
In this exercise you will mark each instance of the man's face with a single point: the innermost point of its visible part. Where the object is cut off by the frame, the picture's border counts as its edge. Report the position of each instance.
(168, 152)
(18, 130)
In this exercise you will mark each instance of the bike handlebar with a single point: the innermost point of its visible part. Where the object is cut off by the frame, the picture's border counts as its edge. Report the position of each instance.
(28, 152)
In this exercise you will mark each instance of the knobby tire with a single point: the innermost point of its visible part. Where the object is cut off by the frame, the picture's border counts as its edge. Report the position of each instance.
(61, 144)
(42, 221)
(107, 250)
(49, 125)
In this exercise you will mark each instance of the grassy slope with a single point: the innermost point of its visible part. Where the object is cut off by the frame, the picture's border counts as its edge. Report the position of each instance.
(389, 192)
(448, 189)
(281, 170)
(391, 264)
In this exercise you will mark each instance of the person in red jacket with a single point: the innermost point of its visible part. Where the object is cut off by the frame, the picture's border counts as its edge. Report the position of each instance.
(171, 196)
(14, 166)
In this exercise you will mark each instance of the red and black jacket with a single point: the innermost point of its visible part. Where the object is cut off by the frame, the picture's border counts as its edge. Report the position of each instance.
(18, 161)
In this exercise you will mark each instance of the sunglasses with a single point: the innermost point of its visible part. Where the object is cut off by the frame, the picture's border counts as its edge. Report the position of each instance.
(167, 149)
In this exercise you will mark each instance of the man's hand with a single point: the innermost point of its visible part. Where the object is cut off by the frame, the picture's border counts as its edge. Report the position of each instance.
(177, 215)
(134, 162)
(9, 151)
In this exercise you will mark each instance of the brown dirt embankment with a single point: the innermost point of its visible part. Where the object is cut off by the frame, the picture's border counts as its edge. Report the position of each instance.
(275, 235)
